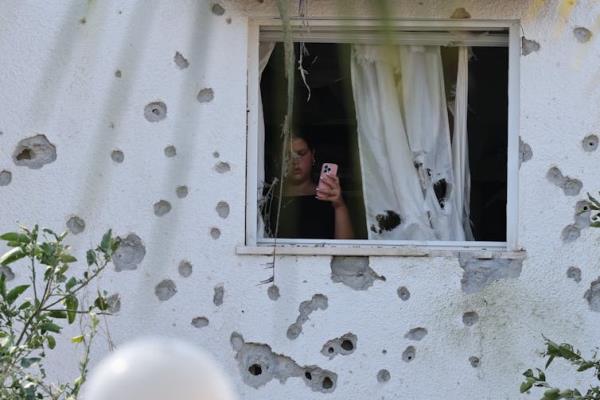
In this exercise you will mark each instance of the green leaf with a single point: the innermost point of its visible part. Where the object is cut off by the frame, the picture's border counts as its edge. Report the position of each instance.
(57, 314)
(77, 339)
(2, 285)
(72, 304)
(27, 362)
(67, 258)
(12, 255)
(550, 359)
(551, 394)
(25, 305)
(525, 386)
(51, 342)
(585, 365)
(70, 283)
(50, 327)
(15, 237)
(15, 293)
(101, 303)
(105, 244)
(91, 257)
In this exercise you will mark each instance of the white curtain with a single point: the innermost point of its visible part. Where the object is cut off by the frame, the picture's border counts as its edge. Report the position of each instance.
(265, 50)
(404, 142)
(392, 192)
(460, 144)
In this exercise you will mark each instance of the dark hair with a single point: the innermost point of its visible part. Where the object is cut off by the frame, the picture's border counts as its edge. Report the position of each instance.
(301, 132)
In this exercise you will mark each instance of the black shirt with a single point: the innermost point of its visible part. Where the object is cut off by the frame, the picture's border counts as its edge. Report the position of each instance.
(303, 217)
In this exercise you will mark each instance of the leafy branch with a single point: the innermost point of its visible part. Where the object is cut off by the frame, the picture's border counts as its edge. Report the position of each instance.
(29, 325)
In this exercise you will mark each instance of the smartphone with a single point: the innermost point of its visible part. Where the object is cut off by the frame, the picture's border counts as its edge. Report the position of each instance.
(327, 169)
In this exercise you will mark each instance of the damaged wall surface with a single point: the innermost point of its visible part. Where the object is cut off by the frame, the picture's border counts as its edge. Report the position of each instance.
(132, 116)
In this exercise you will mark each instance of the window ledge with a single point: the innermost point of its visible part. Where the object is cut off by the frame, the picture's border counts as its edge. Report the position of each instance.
(379, 251)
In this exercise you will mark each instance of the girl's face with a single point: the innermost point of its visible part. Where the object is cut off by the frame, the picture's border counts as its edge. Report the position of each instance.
(301, 162)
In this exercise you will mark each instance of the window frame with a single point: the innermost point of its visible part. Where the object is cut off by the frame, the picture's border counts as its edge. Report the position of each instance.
(336, 31)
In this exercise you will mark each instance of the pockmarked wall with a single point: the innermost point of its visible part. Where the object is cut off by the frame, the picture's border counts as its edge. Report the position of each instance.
(132, 116)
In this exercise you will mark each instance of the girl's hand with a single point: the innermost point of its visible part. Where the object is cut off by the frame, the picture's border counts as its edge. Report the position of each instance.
(330, 191)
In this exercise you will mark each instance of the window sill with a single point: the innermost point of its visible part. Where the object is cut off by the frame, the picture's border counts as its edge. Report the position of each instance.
(302, 249)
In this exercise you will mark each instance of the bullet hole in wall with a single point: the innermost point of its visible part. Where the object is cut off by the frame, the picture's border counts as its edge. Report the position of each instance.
(592, 295)
(474, 361)
(185, 268)
(219, 293)
(222, 209)
(200, 322)
(118, 73)
(75, 224)
(574, 273)
(155, 111)
(525, 152)
(353, 272)
(529, 46)
(216, 154)
(217, 9)
(470, 318)
(161, 208)
(117, 156)
(383, 376)
(215, 233)
(5, 177)
(478, 273)
(181, 191)
(170, 151)
(129, 254)
(165, 290)
(582, 34)
(460, 13)
(114, 303)
(222, 167)
(343, 345)
(409, 354)
(582, 214)
(273, 292)
(180, 61)
(34, 152)
(416, 333)
(590, 143)
(255, 369)
(258, 365)
(570, 233)
(205, 95)
(403, 293)
(307, 307)
(570, 186)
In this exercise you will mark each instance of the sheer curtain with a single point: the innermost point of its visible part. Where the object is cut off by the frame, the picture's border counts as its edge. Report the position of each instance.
(404, 141)
(265, 50)
(392, 192)
(460, 144)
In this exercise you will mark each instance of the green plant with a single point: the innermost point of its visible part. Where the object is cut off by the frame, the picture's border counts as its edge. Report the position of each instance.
(565, 351)
(32, 314)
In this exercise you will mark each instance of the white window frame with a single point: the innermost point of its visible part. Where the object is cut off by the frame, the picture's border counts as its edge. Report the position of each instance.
(325, 30)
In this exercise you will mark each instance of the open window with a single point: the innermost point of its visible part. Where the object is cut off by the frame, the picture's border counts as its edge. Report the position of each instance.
(420, 118)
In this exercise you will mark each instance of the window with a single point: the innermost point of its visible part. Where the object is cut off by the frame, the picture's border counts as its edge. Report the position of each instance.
(451, 182)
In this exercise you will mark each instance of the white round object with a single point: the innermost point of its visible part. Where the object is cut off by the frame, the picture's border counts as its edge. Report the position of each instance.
(158, 369)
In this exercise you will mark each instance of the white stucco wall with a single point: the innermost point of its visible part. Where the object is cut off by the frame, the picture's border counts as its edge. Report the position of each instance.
(58, 79)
